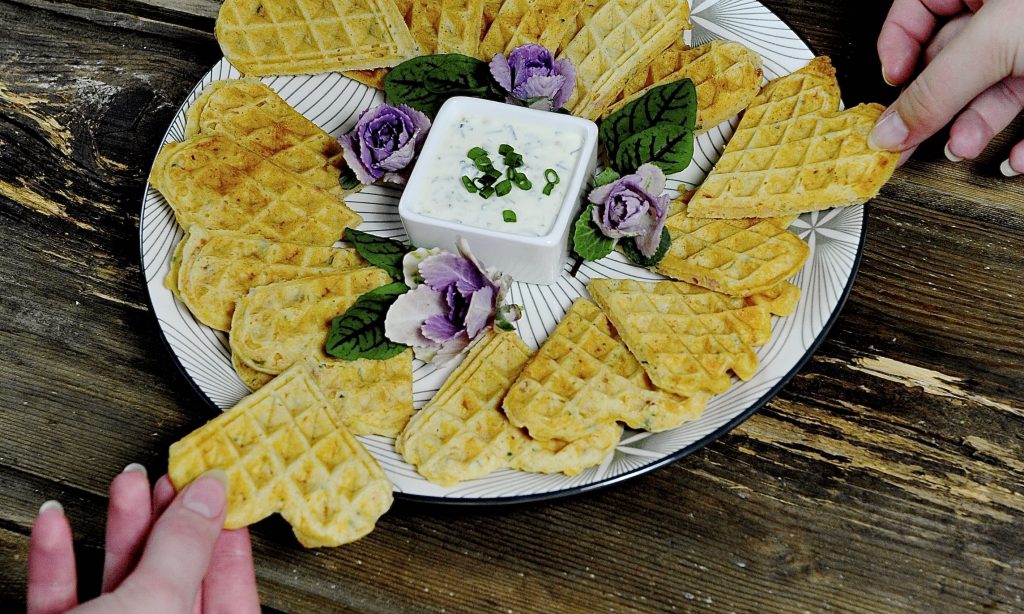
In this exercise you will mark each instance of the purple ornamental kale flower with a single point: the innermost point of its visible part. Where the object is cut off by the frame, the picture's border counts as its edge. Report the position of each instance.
(532, 77)
(451, 301)
(633, 206)
(385, 141)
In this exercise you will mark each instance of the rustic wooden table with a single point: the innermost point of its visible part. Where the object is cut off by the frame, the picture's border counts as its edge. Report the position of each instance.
(887, 476)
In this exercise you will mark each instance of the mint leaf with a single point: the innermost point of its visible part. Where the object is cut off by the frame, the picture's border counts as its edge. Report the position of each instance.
(605, 177)
(630, 250)
(424, 83)
(672, 104)
(379, 251)
(668, 147)
(359, 332)
(587, 240)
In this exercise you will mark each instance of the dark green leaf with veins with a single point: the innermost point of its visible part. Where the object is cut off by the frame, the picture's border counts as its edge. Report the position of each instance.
(424, 83)
(587, 240)
(632, 252)
(379, 251)
(672, 103)
(359, 332)
(668, 147)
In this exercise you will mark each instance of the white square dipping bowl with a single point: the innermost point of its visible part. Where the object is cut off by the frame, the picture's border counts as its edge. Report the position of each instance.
(527, 258)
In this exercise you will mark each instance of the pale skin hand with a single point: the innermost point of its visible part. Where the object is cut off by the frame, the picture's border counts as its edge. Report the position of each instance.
(164, 553)
(973, 57)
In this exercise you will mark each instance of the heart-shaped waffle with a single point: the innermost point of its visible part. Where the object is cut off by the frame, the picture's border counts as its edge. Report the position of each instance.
(284, 453)
(292, 37)
(687, 338)
(795, 151)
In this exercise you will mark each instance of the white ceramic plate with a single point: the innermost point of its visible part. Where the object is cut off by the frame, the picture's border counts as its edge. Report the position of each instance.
(334, 102)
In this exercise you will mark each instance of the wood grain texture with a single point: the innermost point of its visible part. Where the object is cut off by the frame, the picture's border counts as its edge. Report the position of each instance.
(887, 476)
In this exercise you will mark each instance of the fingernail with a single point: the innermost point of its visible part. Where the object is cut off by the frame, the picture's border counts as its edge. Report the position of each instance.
(134, 467)
(952, 157)
(1007, 170)
(206, 495)
(890, 133)
(885, 78)
(52, 504)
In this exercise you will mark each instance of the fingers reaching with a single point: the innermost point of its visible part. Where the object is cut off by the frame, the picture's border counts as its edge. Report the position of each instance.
(52, 580)
(163, 494)
(180, 546)
(907, 29)
(1014, 165)
(986, 116)
(230, 584)
(129, 517)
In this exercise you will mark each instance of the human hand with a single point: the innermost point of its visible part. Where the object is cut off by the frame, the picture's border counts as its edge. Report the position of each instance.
(973, 71)
(164, 553)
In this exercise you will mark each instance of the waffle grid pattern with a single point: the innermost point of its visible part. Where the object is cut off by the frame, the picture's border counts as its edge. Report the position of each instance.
(687, 338)
(447, 26)
(283, 453)
(370, 397)
(264, 37)
(544, 22)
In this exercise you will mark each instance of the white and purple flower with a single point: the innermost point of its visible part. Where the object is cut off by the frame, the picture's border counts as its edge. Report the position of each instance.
(633, 206)
(452, 300)
(532, 77)
(384, 143)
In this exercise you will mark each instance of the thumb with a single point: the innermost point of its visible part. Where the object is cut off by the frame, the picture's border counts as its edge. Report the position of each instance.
(179, 548)
(979, 56)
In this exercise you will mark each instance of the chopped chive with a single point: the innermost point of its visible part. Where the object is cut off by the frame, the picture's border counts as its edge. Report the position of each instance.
(514, 160)
(548, 188)
(476, 152)
(523, 183)
(508, 215)
(503, 187)
(511, 173)
(492, 172)
(487, 192)
(485, 181)
(470, 186)
(551, 176)
(483, 163)
(505, 149)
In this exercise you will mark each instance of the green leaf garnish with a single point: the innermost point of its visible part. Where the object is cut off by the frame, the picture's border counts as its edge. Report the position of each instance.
(348, 179)
(359, 332)
(605, 177)
(379, 251)
(632, 252)
(587, 240)
(426, 82)
(508, 215)
(672, 105)
(670, 148)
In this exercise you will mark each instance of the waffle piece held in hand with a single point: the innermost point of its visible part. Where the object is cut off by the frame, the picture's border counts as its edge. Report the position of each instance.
(277, 325)
(736, 257)
(369, 397)
(794, 151)
(518, 22)
(214, 182)
(250, 113)
(283, 452)
(584, 378)
(617, 39)
(216, 268)
(294, 37)
(725, 74)
(687, 338)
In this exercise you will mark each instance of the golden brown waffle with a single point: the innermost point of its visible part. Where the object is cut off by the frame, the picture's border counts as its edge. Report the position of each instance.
(725, 74)
(216, 268)
(447, 26)
(617, 39)
(289, 37)
(794, 151)
(253, 379)
(375, 77)
(584, 378)
(253, 115)
(215, 183)
(283, 452)
(687, 338)
(461, 433)
(736, 257)
(544, 22)
(369, 397)
(277, 325)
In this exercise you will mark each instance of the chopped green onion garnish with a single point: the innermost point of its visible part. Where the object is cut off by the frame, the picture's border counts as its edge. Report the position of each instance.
(551, 176)
(548, 188)
(486, 180)
(487, 192)
(470, 186)
(511, 173)
(492, 172)
(523, 183)
(508, 215)
(514, 160)
(476, 152)
(505, 149)
(483, 163)
(503, 187)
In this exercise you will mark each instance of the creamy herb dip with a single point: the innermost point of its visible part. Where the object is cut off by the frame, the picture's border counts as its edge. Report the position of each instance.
(445, 197)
